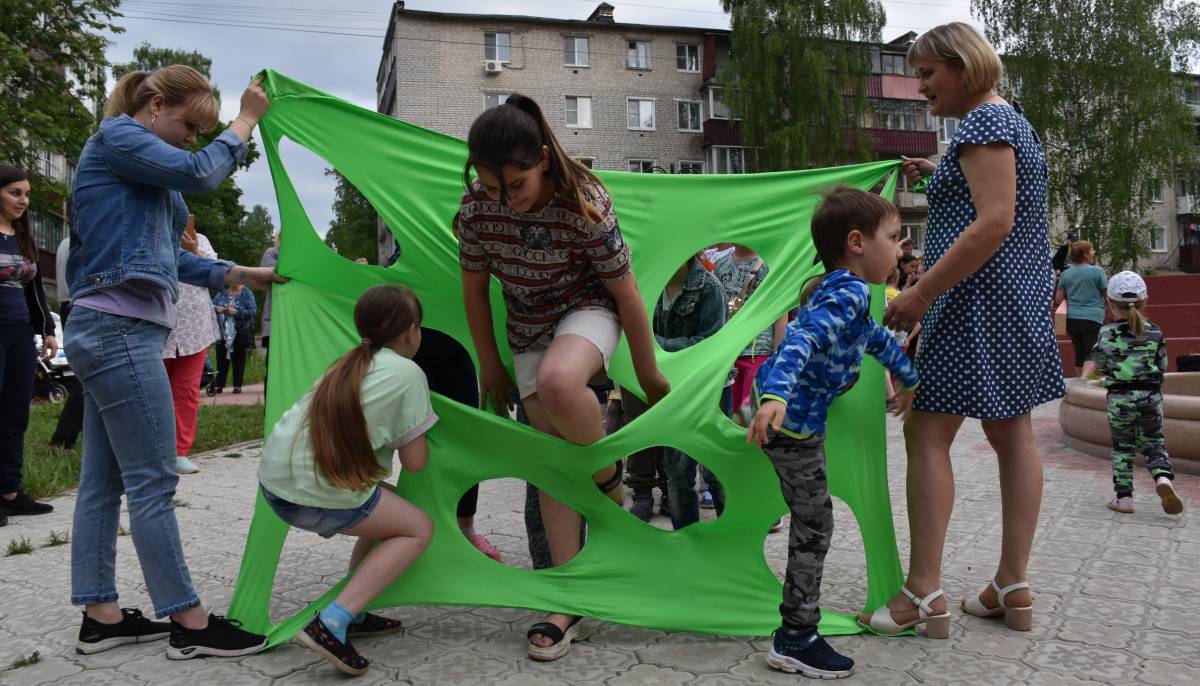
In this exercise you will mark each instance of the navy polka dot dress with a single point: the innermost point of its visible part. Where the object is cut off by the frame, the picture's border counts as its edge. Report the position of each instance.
(987, 347)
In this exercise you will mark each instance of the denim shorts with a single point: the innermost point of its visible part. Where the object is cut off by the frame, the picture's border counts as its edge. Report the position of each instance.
(320, 520)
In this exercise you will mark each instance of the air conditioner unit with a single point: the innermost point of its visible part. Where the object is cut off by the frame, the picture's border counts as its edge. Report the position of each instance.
(492, 66)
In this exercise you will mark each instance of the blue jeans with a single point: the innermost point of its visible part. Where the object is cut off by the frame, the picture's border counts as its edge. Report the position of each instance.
(128, 448)
(681, 480)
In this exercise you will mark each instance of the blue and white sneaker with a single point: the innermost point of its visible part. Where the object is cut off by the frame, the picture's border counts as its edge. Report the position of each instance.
(706, 501)
(807, 653)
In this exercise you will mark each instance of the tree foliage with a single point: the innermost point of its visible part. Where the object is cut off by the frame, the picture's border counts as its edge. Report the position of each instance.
(353, 232)
(797, 77)
(220, 215)
(1101, 82)
(51, 67)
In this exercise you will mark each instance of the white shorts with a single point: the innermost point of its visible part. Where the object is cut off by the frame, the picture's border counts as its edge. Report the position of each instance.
(601, 327)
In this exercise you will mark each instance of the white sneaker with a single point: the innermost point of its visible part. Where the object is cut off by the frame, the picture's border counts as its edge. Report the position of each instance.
(1171, 503)
(776, 526)
(185, 466)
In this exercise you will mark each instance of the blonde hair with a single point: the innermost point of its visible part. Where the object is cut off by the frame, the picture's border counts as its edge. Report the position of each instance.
(1080, 250)
(960, 42)
(1133, 314)
(178, 84)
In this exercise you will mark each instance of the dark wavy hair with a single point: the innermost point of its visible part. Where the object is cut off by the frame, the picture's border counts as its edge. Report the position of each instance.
(10, 175)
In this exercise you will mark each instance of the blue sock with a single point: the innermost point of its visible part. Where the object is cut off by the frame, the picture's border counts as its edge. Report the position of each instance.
(336, 618)
(359, 618)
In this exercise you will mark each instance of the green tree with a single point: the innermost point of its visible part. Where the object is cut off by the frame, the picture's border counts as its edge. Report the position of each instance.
(797, 77)
(1101, 83)
(51, 66)
(352, 233)
(220, 214)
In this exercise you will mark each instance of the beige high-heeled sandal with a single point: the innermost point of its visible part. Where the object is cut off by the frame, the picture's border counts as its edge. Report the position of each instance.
(1015, 618)
(936, 626)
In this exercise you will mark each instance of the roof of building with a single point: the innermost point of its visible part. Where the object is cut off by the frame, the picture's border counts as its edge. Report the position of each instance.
(597, 22)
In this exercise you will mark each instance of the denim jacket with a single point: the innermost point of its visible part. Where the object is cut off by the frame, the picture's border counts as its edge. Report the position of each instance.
(696, 313)
(822, 353)
(246, 308)
(128, 212)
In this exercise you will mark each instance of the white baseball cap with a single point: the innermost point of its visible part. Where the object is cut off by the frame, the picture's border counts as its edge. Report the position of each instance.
(1126, 287)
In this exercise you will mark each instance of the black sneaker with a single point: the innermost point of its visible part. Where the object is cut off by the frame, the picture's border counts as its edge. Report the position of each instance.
(342, 655)
(809, 654)
(643, 505)
(373, 625)
(23, 505)
(97, 637)
(221, 638)
(3, 520)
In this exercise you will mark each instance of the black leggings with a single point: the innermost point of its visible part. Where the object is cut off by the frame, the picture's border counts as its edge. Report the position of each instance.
(1083, 334)
(450, 372)
(17, 360)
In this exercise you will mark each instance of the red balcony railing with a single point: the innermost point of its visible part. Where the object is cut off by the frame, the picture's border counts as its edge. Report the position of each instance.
(898, 142)
(722, 132)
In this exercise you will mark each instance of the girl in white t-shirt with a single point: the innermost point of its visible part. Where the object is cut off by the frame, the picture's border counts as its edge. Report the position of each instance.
(323, 463)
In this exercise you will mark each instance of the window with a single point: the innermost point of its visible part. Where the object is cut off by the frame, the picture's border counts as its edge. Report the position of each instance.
(641, 114)
(896, 64)
(689, 115)
(588, 162)
(639, 54)
(691, 166)
(1156, 192)
(641, 166)
(949, 128)
(497, 46)
(575, 51)
(579, 112)
(875, 65)
(912, 231)
(727, 160)
(716, 104)
(491, 100)
(1158, 239)
(687, 57)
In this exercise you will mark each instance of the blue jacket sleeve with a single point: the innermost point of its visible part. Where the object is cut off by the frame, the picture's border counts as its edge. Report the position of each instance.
(135, 154)
(201, 271)
(246, 306)
(882, 345)
(818, 331)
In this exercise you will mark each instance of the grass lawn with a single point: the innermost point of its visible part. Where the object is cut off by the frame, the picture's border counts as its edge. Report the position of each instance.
(49, 471)
(256, 367)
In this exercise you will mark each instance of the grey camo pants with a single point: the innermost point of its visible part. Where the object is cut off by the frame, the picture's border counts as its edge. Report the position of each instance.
(800, 464)
(1135, 419)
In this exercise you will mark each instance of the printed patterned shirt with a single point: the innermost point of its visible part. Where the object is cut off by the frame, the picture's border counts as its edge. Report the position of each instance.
(15, 272)
(1123, 358)
(823, 351)
(549, 263)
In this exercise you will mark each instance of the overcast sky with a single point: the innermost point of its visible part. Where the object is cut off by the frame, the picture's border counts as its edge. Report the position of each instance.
(234, 34)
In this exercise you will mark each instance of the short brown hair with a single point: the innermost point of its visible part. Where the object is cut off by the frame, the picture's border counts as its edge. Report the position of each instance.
(841, 211)
(1079, 250)
(960, 42)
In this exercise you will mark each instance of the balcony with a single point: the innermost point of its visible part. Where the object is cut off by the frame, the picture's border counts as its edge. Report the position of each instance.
(722, 132)
(899, 142)
(1185, 206)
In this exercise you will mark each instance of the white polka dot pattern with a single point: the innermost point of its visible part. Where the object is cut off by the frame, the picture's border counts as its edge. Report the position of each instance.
(987, 347)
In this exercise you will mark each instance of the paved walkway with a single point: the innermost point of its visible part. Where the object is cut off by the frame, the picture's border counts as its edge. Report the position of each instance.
(1116, 596)
(252, 394)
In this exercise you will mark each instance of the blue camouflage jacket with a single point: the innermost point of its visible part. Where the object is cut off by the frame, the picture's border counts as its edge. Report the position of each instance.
(823, 351)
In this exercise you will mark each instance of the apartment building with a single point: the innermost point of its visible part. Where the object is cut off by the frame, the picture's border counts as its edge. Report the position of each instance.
(49, 224)
(647, 98)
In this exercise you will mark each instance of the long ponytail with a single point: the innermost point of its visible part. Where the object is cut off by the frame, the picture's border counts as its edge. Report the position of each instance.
(514, 133)
(1134, 316)
(342, 450)
(178, 84)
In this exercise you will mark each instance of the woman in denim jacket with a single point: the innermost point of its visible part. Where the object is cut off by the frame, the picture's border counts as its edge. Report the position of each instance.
(124, 267)
(235, 309)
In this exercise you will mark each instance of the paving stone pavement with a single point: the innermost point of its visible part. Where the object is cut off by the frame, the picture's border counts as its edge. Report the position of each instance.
(1116, 595)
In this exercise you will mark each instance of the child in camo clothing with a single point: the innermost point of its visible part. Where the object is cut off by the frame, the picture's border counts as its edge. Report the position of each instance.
(1132, 355)
(857, 236)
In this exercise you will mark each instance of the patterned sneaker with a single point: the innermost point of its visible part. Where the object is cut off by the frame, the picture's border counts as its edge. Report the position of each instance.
(97, 637)
(706, 501)
(373, 625)
(342, 655)
(484, 546)
(807, 653)
(1122, 503)
(221, 638)
(1171, 503)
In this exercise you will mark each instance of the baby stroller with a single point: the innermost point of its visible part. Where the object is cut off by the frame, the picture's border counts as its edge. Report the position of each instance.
(53, 376)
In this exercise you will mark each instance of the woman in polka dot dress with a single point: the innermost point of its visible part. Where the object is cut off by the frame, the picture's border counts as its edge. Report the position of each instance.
(988, 348)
